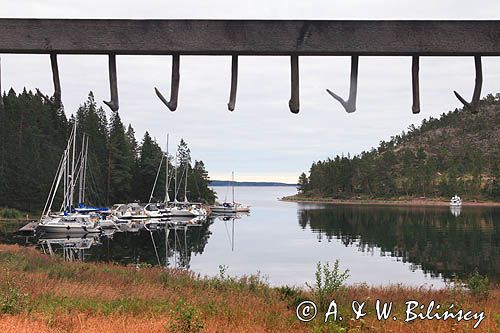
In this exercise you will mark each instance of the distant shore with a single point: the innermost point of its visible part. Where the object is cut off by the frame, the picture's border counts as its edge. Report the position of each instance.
(387, 202)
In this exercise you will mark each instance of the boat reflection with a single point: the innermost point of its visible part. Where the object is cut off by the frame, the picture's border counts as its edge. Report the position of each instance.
(456, 210)
(72, 248)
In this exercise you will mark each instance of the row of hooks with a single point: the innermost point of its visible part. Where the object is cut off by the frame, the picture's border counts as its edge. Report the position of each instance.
(294, 103)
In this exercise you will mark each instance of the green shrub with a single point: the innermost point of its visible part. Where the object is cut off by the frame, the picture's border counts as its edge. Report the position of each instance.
(186, 319)
(328, 280)
(292, 295)
(12, 300)
(478, 285)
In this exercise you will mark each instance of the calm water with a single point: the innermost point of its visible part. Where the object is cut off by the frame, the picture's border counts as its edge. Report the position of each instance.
(284, 241)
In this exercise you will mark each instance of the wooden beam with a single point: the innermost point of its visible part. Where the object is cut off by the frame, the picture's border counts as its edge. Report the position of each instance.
(251, 37)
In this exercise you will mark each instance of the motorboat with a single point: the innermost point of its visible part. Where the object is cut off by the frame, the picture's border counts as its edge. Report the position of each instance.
(456, 201)
(129, 211)
(157, 210)
(230, 207)
(71, 224)
(187, 209)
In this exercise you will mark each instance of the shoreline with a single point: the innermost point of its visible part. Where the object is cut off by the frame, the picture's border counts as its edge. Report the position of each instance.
(388, 202)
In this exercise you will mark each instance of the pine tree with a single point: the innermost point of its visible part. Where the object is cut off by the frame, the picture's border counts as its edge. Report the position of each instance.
(303, 184)
(149, 160)
(92, 121)
(121, 162)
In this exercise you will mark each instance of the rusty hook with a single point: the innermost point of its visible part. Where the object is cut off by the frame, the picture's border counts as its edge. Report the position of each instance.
(350, 104)
(234, 83)
(415, 67)
(294, 102)
(57, 83)
(174, 88)
(473, 106)
(113, 83)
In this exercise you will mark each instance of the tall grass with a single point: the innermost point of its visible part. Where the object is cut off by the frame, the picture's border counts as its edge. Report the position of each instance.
(47, 294)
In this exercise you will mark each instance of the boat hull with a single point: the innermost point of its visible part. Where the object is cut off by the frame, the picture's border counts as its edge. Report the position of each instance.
(68, 228)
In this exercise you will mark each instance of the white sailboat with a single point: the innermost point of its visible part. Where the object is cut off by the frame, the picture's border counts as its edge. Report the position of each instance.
(159, 210)
(67, 220)
(230, 207)
(185, 208)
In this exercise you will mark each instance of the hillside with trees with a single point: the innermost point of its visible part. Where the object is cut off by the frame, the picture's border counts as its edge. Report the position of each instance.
(34, 133)
(457, 153)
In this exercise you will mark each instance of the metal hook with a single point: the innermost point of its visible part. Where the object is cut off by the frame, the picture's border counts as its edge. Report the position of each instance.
(473, 106)
(294, 102)
(234, 83)
(174, 88)
(415, 67)
(56, 81)
(350, 104)
(113, 84)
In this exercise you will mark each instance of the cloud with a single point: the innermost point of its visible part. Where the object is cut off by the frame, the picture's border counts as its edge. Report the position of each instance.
(261, 138)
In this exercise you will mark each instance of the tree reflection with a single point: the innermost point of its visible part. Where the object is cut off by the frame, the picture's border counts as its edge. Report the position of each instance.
(431, 238)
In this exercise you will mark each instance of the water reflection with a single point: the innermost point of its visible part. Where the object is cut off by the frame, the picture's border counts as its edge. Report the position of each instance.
(70, 247)
(436, 240)
(456, 210)
(152, 242)
(284, 241)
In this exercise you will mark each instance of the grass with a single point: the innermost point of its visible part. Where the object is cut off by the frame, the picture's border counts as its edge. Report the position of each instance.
(45, 294)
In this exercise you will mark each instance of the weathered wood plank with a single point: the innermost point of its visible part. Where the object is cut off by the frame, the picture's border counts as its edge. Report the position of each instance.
(250, 37)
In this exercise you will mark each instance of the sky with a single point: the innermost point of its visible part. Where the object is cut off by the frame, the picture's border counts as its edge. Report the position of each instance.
(261, 140)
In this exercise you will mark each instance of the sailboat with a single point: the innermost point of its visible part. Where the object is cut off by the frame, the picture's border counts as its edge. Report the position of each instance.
(185, 208)
(230, 207)
(68, 220)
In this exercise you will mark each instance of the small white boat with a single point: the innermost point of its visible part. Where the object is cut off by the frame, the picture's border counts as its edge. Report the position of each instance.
(157, 211)
(456, 201)
(187, 209)
(71, 224)
(230, 207)
(129, 211)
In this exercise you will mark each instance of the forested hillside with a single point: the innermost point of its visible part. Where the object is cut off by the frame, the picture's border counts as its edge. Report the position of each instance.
(33, 135)
(457, 153)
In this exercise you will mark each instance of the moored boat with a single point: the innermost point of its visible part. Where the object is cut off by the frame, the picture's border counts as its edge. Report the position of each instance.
(456, 201)
(71, 224)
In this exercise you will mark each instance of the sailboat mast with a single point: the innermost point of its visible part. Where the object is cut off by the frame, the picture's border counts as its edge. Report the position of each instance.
(72, 179)
(167, 199)
(232, 178)
(80, 176)
(85, 168)
(186, 184)
(175, 179)
(66, 175)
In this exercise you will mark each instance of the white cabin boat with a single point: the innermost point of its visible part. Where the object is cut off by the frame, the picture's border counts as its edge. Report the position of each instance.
(71, 224)
(129, 211)
(230, 207)
(157, 211)
(456, 201)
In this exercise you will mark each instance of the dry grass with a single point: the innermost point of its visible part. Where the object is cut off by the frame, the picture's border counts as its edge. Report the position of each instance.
(46, 294)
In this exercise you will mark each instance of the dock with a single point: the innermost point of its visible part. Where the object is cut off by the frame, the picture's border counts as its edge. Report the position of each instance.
(30, 227)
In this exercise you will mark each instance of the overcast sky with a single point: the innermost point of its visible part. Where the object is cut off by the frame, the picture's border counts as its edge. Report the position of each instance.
(261, 139)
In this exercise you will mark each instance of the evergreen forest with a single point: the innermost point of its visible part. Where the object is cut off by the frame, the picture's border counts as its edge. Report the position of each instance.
(457, 153)
(120, 169)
